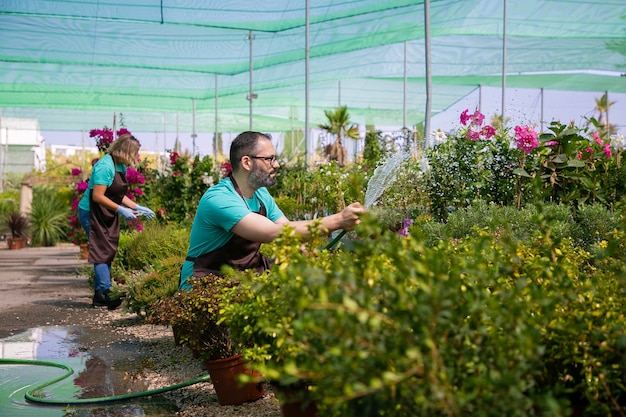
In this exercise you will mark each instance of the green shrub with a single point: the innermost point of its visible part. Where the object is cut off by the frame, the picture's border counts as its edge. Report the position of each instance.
(486, 325)
(138, 250)
(153, 283)
(48, 217)
(595, 223)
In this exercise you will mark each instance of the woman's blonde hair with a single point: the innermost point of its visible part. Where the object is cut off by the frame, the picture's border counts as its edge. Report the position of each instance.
(125, 150)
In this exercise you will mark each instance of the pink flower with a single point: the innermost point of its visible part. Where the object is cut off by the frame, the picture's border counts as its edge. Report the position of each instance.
(465, 117)
(596, 137)
(607, 149)
(472, 134)
(478, 118)
(488, 132)
(526, 138)
(174, 157)
(405, 227)
(551, 143)
(225, 169)
(82, 186)
(76, 172)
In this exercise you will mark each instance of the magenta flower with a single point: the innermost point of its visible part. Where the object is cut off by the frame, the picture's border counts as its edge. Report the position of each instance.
(478, 118)
(526, 138)
(488, 132)
(76, 172)
(82, 186)
(472, 134)
(607, 150)
(465, 117)
(597, 138)
(405, 227)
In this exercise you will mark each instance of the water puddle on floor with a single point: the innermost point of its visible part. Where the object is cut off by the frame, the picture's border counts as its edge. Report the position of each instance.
(93, 377)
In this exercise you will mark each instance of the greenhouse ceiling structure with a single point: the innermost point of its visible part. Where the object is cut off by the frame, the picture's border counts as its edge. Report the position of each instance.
(216, 65)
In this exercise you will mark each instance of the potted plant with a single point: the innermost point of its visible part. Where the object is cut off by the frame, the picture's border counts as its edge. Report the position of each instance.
(18, 225)
(195, 319)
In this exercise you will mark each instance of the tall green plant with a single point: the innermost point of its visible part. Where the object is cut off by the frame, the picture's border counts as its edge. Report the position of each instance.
(48, 217)
(339, 125)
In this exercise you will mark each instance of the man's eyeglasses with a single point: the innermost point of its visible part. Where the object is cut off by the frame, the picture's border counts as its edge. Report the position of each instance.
(270, 159)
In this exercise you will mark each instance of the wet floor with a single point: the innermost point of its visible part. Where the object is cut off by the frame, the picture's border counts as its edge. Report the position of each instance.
(93, 377)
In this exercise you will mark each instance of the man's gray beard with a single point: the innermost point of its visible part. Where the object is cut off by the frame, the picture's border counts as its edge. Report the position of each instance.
(256, 181)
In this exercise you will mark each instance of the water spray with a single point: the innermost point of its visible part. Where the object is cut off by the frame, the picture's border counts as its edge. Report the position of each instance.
(384, 175)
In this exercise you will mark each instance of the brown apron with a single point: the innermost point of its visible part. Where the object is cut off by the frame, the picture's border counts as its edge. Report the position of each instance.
(239, 253)
(104, 224)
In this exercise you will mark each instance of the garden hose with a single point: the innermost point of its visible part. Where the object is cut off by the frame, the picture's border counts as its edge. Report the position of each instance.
(29, 396)
(335, 240)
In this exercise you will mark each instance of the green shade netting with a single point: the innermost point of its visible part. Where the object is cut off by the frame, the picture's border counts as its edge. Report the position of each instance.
(72, 63)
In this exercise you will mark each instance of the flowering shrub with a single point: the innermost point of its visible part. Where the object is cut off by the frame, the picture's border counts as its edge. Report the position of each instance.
(565, 164)
(571, 165)
(104, 137)
(183, 183)
(77, 233)
(475, 162)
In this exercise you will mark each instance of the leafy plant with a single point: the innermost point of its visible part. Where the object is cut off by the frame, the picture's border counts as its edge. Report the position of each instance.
(340, 126)
(195, 318)
(18, 224)
(47, 217)
(152, 283)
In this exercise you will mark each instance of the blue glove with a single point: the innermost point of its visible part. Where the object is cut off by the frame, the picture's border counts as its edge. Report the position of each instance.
(126, 212)
(144, 211)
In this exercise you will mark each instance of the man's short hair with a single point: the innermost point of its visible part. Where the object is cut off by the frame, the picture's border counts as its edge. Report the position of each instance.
(244, 144)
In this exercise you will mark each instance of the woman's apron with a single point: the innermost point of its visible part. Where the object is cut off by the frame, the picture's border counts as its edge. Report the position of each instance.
(104, 224)
(239, 253)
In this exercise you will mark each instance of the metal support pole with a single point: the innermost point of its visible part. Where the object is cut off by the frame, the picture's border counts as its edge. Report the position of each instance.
(503, 62)
(215, 138)
(251, 95)
(306, 86)
(193, 134)
(404, 90)
(429, 80)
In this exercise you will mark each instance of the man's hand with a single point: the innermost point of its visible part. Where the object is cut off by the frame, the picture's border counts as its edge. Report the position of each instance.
(350, 216)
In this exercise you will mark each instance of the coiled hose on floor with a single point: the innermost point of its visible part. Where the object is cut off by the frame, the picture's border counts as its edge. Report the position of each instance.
(29, 396)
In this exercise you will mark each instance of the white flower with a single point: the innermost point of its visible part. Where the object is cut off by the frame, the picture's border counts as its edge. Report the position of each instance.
(618, 142)
(439, 136)
(424, 165)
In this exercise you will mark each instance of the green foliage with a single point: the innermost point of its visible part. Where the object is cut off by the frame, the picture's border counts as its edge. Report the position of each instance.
(488, 324)
(8, 204)
(373, 150)
(48, 217)
(325, 189)
(463, 170)
(18, 224)
(152, 283)
(195, 317)
(177, 191)
(137, 250)
(595, 223)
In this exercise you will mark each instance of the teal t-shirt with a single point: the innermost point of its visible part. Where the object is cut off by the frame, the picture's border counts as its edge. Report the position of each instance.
(103, 173)
(219, 210)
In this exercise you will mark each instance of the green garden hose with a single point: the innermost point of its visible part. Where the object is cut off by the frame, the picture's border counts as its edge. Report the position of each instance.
(335, 240)
(29, 396)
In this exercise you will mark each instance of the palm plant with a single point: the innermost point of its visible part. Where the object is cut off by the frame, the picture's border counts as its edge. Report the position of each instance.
(340, 126)
(48, 218)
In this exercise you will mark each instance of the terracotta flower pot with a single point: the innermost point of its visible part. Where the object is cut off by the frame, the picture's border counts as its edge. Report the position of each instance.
(84, 250)
(229, 390)
(16, 243)
(293, 401)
